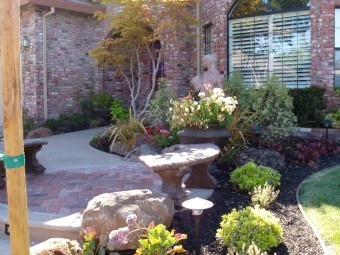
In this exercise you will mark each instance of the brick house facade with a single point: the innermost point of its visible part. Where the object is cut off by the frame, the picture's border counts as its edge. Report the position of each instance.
(72, 31)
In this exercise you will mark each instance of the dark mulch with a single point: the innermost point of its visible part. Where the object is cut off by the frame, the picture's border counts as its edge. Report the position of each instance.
(298, 236)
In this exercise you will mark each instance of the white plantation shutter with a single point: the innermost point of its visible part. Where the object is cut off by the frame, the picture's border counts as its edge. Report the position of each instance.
(277, 44)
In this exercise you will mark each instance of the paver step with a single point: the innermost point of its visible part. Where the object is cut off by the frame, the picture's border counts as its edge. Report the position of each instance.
(43, 226)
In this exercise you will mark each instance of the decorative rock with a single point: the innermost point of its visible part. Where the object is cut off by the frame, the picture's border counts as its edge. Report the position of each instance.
(108, 212)
(267, 158)
(133, 156)
(40, 133)
(56, 246)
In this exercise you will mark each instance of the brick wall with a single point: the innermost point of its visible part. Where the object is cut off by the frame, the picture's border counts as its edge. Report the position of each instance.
(32, 63)
(322, 33)
(71, 72)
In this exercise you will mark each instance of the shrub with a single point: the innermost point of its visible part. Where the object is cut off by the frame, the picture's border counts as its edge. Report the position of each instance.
(77, 119)
(102, 100)
(235, 87)
(118, 111)
(126, 132)
(334, 116)
(250, 175)
(308, 114)
(264, 195)
(274, 108)
(228, 155)
(158, 112)
(28, 122)
(53, 124)
(250, 225)
(251, 250)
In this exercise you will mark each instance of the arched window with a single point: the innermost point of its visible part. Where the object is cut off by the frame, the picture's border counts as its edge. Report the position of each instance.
(269, 37)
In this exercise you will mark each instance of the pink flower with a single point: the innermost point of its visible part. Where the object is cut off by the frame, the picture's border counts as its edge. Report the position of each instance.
(131, 219)
(164, 132)
(117, 238)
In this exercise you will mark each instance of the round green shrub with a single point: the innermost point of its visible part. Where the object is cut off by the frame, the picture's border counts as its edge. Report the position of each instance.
(250, 175)
(250, 225)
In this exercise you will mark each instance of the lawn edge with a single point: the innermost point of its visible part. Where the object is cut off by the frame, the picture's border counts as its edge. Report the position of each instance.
(315, 230)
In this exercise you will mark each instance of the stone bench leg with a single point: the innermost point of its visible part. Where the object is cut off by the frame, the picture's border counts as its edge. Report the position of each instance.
(32, 164)
(200, 178)
(172, 183)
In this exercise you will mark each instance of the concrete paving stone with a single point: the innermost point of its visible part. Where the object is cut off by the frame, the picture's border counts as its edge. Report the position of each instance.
(76, 173)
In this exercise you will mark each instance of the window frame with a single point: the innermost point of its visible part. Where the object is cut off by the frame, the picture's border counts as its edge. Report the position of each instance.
(230, 18)
(208, 38)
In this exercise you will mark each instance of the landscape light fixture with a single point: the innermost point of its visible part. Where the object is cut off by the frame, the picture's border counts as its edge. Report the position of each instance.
(257, 130)
(197, 205)
(327, 123)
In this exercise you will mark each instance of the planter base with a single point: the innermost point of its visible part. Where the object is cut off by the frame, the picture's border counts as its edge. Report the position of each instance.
(200, 178)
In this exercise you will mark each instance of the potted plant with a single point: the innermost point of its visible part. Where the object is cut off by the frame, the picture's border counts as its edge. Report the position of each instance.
(203, 120)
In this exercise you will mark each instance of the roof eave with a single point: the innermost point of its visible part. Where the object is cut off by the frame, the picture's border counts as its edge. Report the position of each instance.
(71, 5)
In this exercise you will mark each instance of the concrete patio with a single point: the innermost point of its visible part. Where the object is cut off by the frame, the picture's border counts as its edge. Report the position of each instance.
(75, 173)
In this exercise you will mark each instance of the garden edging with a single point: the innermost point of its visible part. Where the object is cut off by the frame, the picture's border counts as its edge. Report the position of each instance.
(310, 223)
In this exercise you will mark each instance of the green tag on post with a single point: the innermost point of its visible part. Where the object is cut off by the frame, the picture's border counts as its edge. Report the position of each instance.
(12, 161)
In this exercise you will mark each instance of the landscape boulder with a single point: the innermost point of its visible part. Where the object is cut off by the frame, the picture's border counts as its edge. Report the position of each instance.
(109, 211)
(56, 246)
(39, 133)
(133, 155)
(267, 158)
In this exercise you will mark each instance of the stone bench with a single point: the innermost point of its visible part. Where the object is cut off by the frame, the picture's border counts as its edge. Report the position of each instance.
(172, 167)
(31, 147)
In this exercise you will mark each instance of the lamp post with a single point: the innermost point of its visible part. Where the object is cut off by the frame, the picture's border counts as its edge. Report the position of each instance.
(257, 130)
(197, 205)
(326, 123)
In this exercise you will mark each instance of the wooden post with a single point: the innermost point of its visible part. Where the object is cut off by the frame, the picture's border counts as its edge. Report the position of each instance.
(13, 129)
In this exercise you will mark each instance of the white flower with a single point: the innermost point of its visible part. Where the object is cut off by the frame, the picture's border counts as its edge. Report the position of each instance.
(201, 95)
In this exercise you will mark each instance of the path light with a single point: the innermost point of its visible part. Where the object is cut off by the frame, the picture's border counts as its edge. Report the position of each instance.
(326, 123)
(197, 205)
(257, 130)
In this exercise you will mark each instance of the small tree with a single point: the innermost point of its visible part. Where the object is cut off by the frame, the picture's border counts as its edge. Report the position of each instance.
(137, 28)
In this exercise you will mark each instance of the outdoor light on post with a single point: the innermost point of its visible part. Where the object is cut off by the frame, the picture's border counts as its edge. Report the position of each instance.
(257, 130)
(197, 205)
(327, 124)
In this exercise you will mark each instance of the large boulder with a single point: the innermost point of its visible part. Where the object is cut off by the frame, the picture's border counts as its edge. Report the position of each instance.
(56, 246)
(109, 211)
(267, 158)
(39, 133)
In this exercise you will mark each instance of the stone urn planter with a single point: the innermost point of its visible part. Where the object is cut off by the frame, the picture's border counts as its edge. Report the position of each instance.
(193, 135)
(214, 134)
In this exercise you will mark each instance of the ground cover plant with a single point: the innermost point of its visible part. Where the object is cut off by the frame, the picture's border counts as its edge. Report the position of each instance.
(319, 197)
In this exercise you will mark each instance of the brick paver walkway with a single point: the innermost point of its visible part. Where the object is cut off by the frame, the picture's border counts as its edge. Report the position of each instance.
(67, 192)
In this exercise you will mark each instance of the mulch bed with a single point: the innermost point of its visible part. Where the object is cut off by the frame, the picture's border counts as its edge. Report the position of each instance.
(299, 238)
